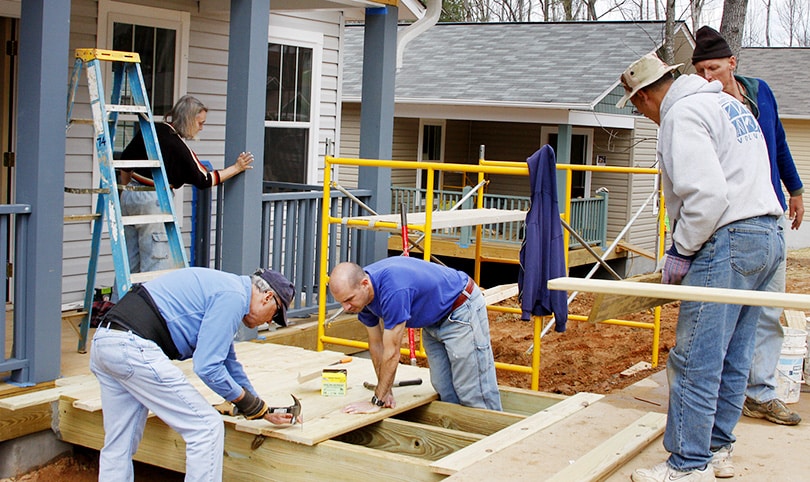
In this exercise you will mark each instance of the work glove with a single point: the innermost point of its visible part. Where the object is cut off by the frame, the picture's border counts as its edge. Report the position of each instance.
(251, 406)
(676, 266)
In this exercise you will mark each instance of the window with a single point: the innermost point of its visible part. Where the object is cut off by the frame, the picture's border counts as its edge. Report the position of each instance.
(292, 105)
(431, 139)
(288, 113)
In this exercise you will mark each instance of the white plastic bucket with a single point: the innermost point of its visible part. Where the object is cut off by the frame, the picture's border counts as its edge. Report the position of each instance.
(789, 370)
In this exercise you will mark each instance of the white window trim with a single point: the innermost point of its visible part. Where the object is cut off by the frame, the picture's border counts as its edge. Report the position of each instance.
(110, 12)
(430, 122)
(545, 131)
(314, 41)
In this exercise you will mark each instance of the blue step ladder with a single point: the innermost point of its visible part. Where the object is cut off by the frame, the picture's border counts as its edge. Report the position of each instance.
(126, 67)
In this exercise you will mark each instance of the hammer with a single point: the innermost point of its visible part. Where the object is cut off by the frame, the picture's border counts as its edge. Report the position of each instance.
(401, 383)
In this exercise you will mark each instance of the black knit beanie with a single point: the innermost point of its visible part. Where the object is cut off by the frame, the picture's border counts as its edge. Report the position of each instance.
(709, 44)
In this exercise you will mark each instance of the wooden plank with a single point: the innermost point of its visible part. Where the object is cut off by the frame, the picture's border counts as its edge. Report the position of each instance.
(513, 434)
(25, 421)
(497, 294)
(600, 462)
(465, 419)
(272, 460)
(796, 319)
(687, 293)
(44, 396)
(409, 438)
(527, 402)
(439, 220)
(305, 334)
(610, 306)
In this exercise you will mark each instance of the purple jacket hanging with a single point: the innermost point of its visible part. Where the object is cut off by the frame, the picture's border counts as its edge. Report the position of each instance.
(542, 255)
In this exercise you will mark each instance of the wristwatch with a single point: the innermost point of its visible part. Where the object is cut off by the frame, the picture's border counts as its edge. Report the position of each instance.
(377, 401)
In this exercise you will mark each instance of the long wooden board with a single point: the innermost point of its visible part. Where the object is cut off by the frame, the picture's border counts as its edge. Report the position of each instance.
(513, 434)
(439, 220)
(600, 462)
(687, 293)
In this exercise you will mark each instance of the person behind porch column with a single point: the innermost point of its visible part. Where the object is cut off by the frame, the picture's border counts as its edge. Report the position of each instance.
(187, 313)
(402, 292)
(725, 234)
(147, 244)
(713, 60)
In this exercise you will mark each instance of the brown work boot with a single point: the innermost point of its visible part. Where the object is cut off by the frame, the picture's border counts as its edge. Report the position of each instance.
(773, 411)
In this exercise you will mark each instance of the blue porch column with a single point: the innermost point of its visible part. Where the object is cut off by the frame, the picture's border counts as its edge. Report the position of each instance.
(563, 157)
(247, 74)
(377, 119)
(43, 59)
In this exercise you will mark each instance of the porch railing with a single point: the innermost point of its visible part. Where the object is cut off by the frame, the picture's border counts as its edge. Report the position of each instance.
(291, 236)
(15, 356)
(588, 215)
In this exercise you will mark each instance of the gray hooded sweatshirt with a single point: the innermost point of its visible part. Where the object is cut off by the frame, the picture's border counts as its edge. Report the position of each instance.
(714, 162)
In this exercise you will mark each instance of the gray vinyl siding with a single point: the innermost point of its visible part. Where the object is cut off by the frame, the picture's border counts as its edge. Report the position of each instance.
(207, 80)
(644, 231)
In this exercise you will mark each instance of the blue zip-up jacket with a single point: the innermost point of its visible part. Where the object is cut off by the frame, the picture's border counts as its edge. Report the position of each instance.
(542, 255)
(783, 169)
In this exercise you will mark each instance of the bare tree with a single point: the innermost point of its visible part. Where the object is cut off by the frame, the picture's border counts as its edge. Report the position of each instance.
(793, 17)
(669, 33)
(767, 4)
(696, 10)
(731, 26)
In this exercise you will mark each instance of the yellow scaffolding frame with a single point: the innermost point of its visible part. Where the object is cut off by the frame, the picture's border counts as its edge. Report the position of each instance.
(484, 167)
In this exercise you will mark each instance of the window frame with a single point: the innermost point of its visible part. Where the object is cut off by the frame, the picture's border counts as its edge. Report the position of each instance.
(311, 40)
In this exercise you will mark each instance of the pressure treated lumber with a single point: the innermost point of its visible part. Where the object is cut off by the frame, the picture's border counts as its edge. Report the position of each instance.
(409, 438)
(796, 319)
(600, 462)
(687, 293)
(456, 417)
(513, 434)
(611, 306)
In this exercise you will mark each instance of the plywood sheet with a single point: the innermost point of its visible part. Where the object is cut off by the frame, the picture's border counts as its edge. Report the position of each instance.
(442, 219)
(273, 370)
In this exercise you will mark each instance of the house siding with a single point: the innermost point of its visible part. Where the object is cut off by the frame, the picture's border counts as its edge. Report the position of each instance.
(797, 132)
(207, 80)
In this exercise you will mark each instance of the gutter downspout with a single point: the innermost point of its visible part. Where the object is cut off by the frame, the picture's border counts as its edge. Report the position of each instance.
(404, 36)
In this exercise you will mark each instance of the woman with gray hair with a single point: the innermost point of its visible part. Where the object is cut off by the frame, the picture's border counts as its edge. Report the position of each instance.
(147, 244)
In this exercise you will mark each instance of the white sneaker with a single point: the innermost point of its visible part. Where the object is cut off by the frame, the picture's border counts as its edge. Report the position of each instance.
(722, 464)
(664, 473)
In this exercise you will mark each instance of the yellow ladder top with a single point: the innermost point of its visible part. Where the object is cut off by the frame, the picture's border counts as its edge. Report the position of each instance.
(101, 54)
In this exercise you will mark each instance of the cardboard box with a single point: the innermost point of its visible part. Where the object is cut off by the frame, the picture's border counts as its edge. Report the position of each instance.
(333, 382)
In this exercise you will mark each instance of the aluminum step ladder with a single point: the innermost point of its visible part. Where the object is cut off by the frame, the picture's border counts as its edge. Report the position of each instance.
(126, 68)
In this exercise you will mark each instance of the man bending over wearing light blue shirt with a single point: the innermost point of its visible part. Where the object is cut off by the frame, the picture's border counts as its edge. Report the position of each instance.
(188, 313)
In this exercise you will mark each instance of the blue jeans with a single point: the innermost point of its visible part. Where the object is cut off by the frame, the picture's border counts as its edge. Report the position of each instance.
(708, 368)
(462, 367)
(136, 376)
(769, 338)
(147, 244)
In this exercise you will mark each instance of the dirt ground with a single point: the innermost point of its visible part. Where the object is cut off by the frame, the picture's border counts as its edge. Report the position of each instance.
(585, 358)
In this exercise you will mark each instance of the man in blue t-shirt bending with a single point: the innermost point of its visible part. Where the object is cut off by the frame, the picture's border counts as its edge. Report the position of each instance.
(449, 308)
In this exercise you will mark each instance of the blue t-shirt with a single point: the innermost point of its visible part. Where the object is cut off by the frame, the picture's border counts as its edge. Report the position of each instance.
(203, 309)
(411, 291)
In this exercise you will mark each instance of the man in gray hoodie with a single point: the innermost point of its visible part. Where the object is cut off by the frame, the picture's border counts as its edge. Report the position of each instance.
(725, 234)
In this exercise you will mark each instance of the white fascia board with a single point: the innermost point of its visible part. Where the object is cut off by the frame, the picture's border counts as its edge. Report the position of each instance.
(599, 119)
(794, 116)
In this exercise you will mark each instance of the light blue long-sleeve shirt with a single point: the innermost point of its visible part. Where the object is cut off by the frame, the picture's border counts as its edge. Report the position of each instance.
(203, 309)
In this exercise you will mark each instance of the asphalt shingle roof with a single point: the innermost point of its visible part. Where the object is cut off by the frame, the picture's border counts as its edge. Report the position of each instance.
(785, 70)
(514, 63)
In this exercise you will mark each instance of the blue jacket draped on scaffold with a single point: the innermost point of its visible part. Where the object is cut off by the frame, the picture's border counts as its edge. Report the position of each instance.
(542, 256)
